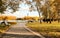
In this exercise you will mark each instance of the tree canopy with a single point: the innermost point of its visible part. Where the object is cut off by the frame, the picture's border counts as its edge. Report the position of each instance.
(46, 7)
(13, 4)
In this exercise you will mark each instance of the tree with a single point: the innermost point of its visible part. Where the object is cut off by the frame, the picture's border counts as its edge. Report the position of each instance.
(49, 3)
(57, 4)
(13, 4)
(44, 6)
(4, 4)
(49, 10)
(2, 8)
(35, 6)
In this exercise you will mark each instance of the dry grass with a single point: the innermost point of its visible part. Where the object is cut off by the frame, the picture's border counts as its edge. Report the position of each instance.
(46, 29)
(3, 28)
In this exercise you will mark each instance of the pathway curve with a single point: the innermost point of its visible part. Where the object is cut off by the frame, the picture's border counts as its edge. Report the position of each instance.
(20, 31)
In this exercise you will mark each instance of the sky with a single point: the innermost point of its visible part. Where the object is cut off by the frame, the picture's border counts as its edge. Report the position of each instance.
(23, 11)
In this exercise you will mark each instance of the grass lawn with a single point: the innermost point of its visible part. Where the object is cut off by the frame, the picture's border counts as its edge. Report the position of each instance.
(3, 28)
(48, 30)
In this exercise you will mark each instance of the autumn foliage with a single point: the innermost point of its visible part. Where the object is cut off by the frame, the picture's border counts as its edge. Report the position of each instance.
(31, 18)
(8, 18)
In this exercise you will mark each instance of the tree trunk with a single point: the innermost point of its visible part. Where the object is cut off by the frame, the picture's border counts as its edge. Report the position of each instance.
(50, 21)
(39, 15)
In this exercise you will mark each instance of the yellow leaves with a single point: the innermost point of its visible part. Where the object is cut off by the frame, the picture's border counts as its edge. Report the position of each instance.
(31, 18)
(51, 1)
(2, 17)
(27, 17)
(58, 1)
(8, 17)
(11, 18)
(53, 9)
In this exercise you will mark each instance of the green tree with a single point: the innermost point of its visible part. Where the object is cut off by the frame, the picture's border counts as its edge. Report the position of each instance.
(2, 8)
(13, 4)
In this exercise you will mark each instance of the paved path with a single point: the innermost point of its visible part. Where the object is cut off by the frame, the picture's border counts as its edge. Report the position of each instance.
(19, 31)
